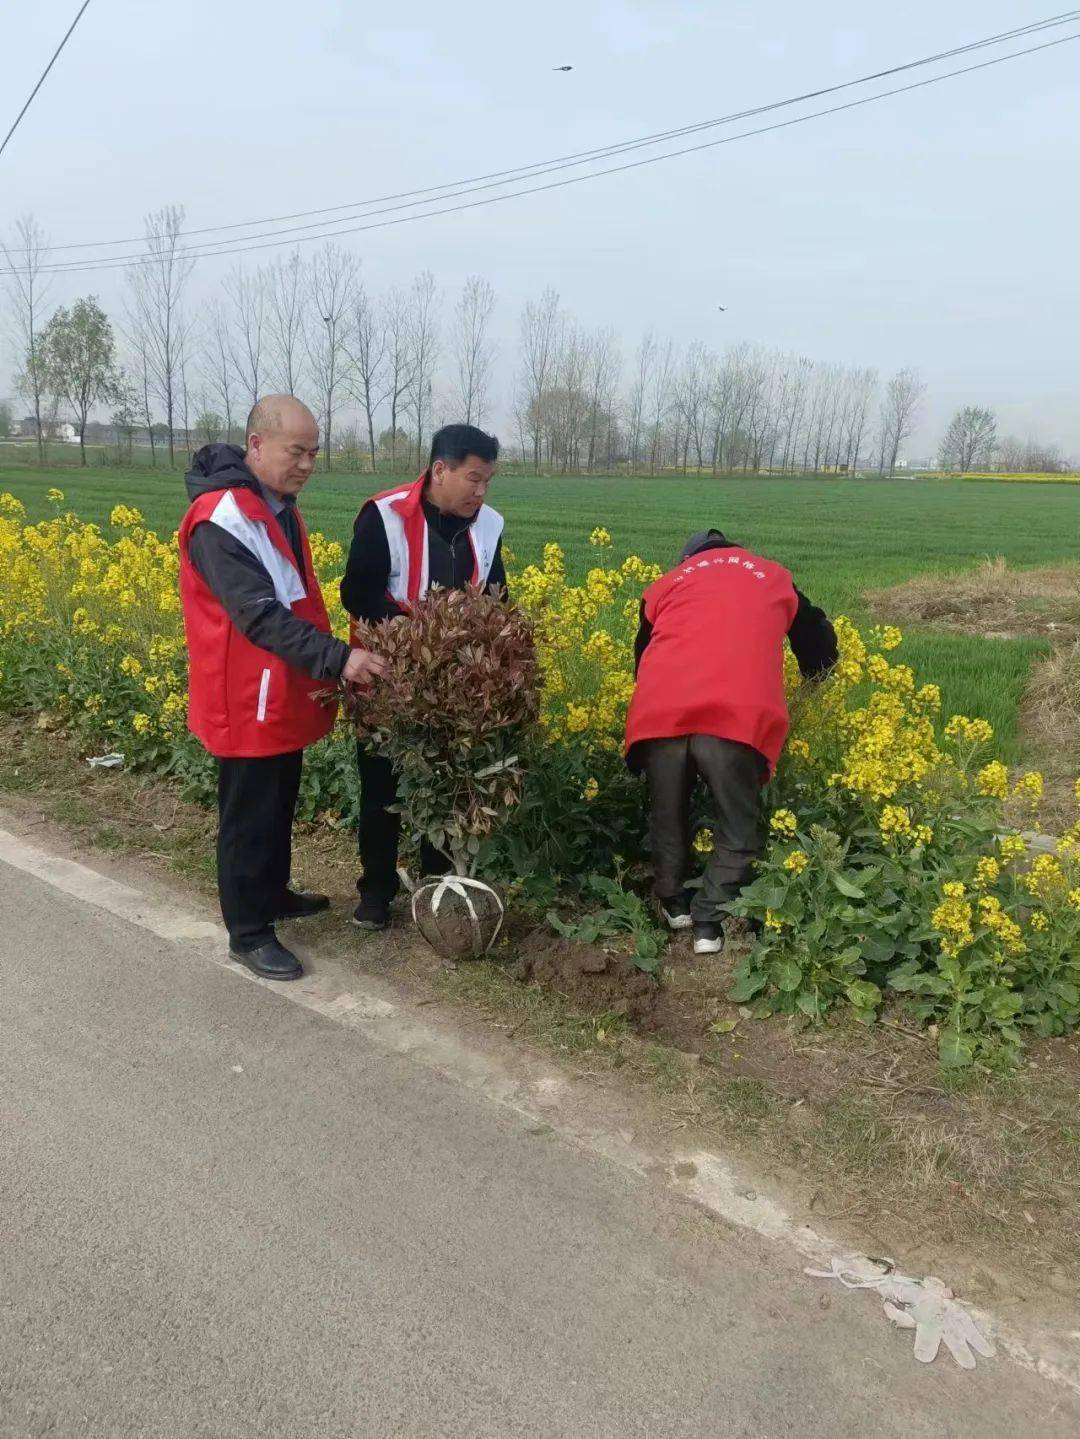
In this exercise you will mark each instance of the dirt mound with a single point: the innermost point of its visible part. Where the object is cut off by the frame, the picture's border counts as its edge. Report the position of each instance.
(592, 979)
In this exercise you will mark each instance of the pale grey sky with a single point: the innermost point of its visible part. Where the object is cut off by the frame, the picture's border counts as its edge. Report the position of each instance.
(937, 229)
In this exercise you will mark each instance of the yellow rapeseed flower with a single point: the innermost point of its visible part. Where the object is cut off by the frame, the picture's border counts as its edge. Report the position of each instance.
(987, 872)
(895, 821)
(125, 518)
(1045, 878)
(993, 780)
(1030, 786)
(970, 731)
(577, 719)
(783, 822)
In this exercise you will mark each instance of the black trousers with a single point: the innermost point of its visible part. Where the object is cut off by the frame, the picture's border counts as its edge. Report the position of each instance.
(380, 831)
(256, 803)
(733, 774)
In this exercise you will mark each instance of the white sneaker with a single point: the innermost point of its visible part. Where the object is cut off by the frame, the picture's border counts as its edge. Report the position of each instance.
(708, 938)
(676, 912)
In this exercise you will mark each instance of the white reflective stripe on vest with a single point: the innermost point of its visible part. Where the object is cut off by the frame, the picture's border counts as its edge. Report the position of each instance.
(253, 535)
(264, 693)
(485, 530)
(394, 525)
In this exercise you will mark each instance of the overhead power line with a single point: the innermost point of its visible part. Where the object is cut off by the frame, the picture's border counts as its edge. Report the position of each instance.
(581, 157)
(44, 75)
(206, 252)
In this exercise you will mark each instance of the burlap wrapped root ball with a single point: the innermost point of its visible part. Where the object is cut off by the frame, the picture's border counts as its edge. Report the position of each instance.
(461, 918)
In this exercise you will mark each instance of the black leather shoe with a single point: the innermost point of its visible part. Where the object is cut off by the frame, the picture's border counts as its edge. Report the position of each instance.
(298, 905)
(372, 914)
(271, 961)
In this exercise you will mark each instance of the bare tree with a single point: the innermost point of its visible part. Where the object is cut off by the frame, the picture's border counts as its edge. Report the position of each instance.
(473, 351)
(28, 295)
(395, 317)
(423, 351)
(970, 440)
(643, 369)
(690, 396)
(659, 398)
(331, 294)
(1029, 457)
(602, 366)
(143, 383)
(864, 385)
(540, 326)
(565, 406)
(899, 410)
(246, 293)
(157, 285)
(217, 367)
(285, 322)
(370, 381)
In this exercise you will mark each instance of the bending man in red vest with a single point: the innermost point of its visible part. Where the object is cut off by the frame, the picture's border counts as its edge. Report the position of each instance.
(258, 636)
(437, 531)
(709, 703)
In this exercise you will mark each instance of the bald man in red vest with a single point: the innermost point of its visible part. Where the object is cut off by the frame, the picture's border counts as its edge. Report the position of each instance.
(709, 704)
(264, 666)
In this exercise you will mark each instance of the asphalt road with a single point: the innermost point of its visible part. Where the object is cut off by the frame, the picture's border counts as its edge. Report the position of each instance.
(223, 1215)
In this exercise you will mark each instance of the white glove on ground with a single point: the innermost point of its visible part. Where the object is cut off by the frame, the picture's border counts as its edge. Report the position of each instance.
(926, 1305)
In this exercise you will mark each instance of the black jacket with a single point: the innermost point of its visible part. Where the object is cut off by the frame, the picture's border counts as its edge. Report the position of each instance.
(450, 562)
(812, 637)
(242, 584)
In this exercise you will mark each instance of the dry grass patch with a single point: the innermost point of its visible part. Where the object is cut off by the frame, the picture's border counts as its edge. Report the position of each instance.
(996, 602)
(991, 600)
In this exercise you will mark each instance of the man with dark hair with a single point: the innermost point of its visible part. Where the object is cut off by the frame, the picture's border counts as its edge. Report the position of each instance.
(264, 665)
(437, 531)
(709, 703)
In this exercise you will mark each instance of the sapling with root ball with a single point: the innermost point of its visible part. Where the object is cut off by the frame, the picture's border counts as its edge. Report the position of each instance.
(452, 714)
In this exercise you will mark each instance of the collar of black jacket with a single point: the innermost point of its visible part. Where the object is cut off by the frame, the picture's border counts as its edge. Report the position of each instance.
(448, 526)
(218, 467)
(223, 467)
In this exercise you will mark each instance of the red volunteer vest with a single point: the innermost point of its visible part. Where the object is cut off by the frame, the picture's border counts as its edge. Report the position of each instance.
(715, 661)
(407, 538)
(244, 702)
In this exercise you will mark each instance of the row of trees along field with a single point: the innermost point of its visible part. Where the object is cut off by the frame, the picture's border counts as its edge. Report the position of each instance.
(382, 370)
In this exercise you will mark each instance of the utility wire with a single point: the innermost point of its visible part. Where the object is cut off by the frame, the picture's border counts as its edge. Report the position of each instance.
(44, 75)
(581, 157)
(141, 259)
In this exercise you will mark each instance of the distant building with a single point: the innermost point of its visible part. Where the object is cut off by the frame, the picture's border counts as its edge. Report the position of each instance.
(62, 430)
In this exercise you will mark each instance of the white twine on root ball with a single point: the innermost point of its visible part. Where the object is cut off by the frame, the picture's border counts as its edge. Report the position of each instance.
(460, 884)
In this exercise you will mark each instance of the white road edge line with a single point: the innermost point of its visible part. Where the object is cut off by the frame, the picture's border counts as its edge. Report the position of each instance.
(705, 1178)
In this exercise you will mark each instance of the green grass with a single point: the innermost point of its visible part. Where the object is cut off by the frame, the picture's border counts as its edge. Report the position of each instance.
(838, 537)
